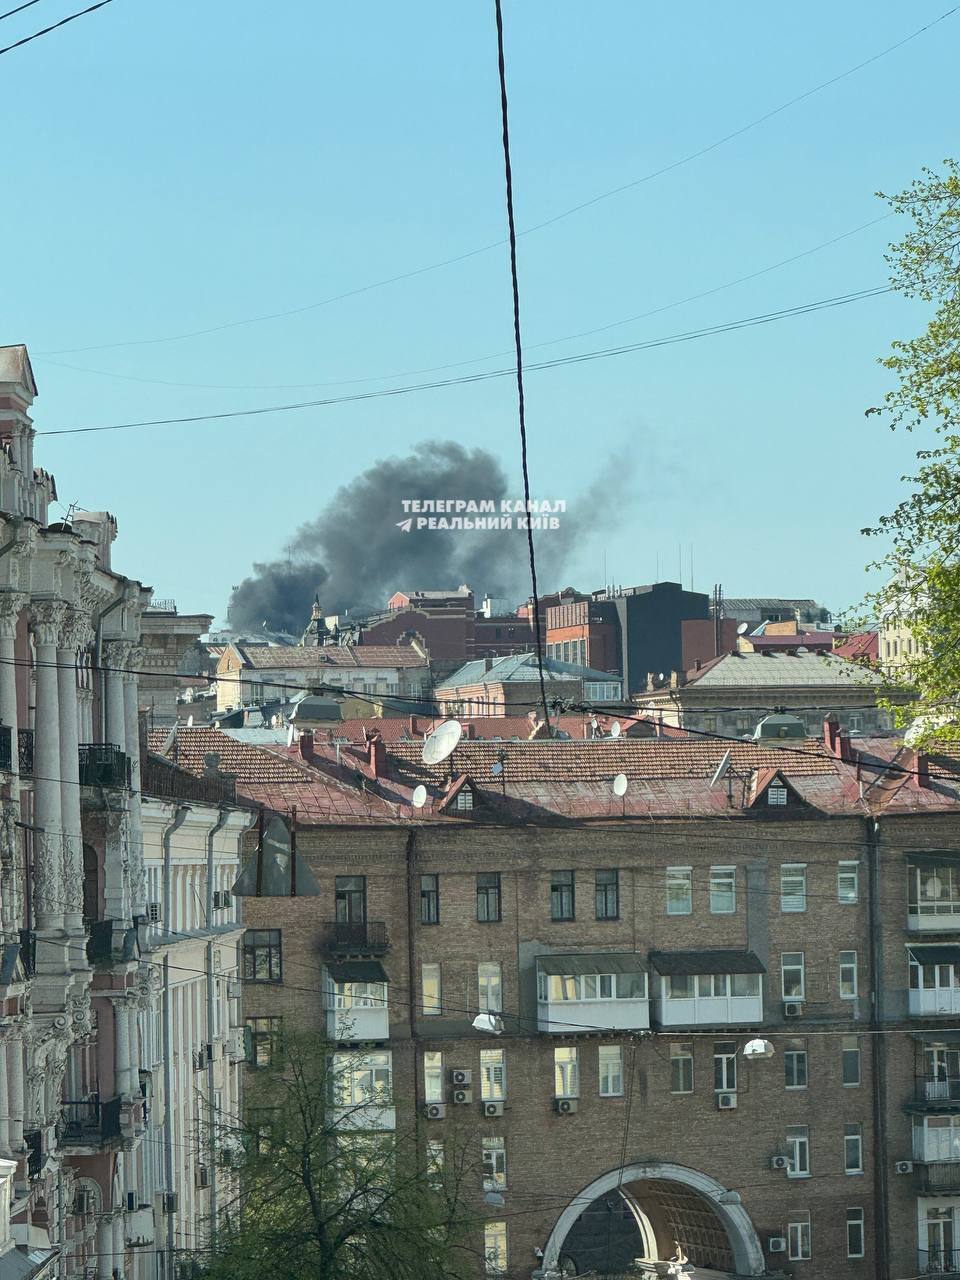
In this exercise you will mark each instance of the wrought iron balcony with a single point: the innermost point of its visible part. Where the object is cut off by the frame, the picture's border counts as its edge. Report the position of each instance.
(6, 749)
(25, 749)
(356, 938)
(28, 951)
(34, 1145)
(939, 1262)
(102, 764)
(90, 1123)
(938, 1092)
(940, 1176)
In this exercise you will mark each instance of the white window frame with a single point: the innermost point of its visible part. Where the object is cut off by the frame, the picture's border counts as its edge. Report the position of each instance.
(493, 1075)
(431, 1005)
(495, 1248)
(432, 1076)
(848, 975)
(798, 1149)
(490, 986)
(364, 1080)
(793, 887)
(853, 1148)
(681, 1051)
(566, 1071)
(799, 1246)
(777, 794)
(793, 1052)
(802, 966)
(680, 878)
(855, 1219)
(725, 1067)
(360, 995)
(851, 1048)
(723, 888)
(848, 873)
(493, 1163)
(610, 1070)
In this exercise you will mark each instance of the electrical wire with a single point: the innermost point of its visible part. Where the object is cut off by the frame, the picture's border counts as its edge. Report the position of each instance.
(551, 221)
(46, 30)
(19, 9)
(465, 379)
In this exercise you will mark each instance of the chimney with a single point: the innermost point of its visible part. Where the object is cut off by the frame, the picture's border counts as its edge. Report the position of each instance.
(921, 770)
(831, 731)
(376, 754)
(305, 745)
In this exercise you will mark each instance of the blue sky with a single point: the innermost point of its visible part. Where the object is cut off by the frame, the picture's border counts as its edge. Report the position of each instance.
(181, 165)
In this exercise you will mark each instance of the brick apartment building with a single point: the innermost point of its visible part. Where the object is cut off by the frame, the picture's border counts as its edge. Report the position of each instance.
(632, 946)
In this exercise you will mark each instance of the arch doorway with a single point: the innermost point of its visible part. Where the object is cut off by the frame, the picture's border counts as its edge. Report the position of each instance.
(649, 1212)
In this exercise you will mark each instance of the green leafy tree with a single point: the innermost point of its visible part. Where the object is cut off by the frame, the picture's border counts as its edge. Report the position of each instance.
(318, 1189)
(923, 564)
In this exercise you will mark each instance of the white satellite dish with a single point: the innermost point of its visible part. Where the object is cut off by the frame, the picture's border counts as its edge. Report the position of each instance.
(419, 798)
(742, 629)
(442, 742)
(496, 768)
(615, 729)
(722, 768)
(620, 784)
(802, 648)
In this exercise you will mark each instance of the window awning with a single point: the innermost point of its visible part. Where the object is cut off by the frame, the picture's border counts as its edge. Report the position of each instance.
(935, 955)
(357, 971)
(598, 962)
(933, 859)
(692, 962)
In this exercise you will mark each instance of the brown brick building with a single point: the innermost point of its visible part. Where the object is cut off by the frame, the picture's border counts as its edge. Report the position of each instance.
(633, 946)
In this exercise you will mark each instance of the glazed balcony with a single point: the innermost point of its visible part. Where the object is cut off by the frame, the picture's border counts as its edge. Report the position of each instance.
(102, 764)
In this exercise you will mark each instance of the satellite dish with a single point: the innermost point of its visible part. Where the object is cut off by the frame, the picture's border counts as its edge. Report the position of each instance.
(496, 768)
(620, 784)
(758, 1049)
(491, 1023)
(742, 629)
(802, 648)
(419, 798)
(189, 722)
(442, 742)
(615, 729)
(722, 768)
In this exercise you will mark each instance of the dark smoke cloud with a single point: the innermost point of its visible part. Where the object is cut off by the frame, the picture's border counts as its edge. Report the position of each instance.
(355, 557)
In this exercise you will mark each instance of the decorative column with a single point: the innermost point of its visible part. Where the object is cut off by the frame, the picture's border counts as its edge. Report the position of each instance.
(46, 619)
(122, 1050)
(85, 708)
(119, 1258)
(116, 653)
(11, 906)
(131, 708)
(4, 1098)
(116, 889)
(14, 1065)
(72, 634)
(105, 1247)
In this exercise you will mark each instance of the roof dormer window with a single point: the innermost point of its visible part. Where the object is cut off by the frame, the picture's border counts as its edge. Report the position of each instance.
(777, 794)
(464, 800)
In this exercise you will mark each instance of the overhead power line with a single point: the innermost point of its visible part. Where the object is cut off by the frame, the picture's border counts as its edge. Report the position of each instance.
(19, 9)
(53, 27)
(578, 358)
(689, 158)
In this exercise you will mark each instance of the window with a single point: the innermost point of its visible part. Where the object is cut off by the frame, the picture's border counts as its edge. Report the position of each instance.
(262, 955)
(430, 990)
(359, 1080)
(433, 1077)
(490, 985)
(265, 1036)
(360, 995)
(777, 794)
(464, 800)
(848, 975)
(723, 890)
(852, 1148)
(798, 1149)
(795, 1064)
(430, 899)
(850, 1060)
(488, 897)
(608, 894)
(791, 972)
(434, 1154)
(680, 986)
(855, 1233)
(566, 1072)
(557, 987)
(679, 891)
(351, 899)
(561, 895)
(848, 882)
(798, 1236)
(495, 1248)
(934, 890)
(725, 1066)
(681, 1067)
(793, 887)
(713, 984)
(494, 1164)
(610, 1070)
(493, 1075)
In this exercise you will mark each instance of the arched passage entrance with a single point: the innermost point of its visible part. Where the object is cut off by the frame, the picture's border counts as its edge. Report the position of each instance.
(670, 1205)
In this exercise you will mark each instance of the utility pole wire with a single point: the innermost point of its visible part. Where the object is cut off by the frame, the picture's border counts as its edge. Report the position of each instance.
(46, 30)
(19, 9)
(508, 174)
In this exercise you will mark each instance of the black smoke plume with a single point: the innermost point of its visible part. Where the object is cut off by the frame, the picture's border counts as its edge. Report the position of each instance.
(354, 556)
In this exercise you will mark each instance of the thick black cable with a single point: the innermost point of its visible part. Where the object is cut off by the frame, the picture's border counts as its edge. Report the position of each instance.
(515, 282)
(53, 27)
(19, 9)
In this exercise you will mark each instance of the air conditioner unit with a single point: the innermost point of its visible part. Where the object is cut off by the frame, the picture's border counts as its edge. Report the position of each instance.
(462, 1095)
(203, 1175)
(792, 1008)
(221, 899)
(131, 1201)
(460, 1076)
(777, 1244)
(435, 1110)
(726, 1102)
(154, 914)
(904, 1166)
(170, 1202)
(565, 1106)
(779, 1162)
(492, 1108)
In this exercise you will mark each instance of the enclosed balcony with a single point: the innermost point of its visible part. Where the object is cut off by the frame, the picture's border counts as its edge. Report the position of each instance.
(933, 893)
(102, 764)
(934, 980)
(709, 988)
(356, 992)
(355, 938)
(603, 991)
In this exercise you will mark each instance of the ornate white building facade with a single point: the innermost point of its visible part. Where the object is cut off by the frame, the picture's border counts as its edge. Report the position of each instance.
(85, 1011)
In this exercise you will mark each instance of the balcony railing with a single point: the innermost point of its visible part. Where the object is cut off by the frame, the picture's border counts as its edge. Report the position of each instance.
(28, 951)
(938, 1090)
(6, 750)
(940, 1176)
(356, 938)
(25, 748)
(939, 1262)
(90, 1122)
(34, 1145)
(102, 764)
